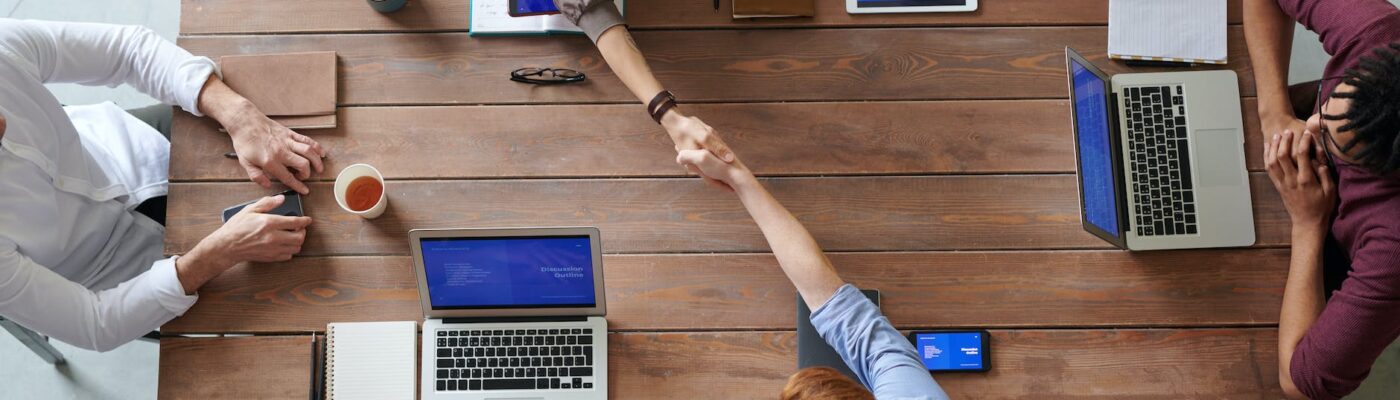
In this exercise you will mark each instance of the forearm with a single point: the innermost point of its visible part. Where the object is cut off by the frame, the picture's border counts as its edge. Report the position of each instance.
(221, 103)
(625, 60)
(797, 252)
(200, 265)
(1269, 35)
(1302, 295)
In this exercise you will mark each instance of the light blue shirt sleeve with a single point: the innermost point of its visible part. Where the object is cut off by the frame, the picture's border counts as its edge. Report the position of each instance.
(883, 359)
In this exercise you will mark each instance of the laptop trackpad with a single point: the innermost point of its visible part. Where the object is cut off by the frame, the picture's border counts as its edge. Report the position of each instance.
(1218, 162)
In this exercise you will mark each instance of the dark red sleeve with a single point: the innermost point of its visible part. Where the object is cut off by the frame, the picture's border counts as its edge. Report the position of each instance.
(1357, 323)
(1339, 23)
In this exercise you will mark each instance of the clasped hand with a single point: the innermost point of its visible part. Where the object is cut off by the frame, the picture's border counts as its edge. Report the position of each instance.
(690, 133)
(1297, 165)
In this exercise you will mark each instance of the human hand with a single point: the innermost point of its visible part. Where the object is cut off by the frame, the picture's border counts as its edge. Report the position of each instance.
(730, 176)
(254, 235)
(690, 133)
(1278, 125)
(1301, 178)
(266, 148)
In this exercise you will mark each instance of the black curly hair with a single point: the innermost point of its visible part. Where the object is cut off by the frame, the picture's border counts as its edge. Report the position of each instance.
(1374, 115)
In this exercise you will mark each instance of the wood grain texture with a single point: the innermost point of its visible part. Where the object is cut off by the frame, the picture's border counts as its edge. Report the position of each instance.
(774, 139)
(1041, 364)
(712, 65)
(685, 215)
(272, 367)
(200, 17)
(749, 291)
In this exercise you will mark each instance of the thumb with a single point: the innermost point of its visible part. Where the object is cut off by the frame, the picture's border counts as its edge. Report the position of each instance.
(1325, 176)
(265, 204)
(702, 159)
(721, 150)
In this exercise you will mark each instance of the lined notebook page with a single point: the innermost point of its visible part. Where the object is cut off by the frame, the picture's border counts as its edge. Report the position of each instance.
(371, 360)
(1176, 30)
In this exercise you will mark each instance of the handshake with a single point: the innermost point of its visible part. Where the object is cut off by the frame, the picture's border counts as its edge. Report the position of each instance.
(702, 152)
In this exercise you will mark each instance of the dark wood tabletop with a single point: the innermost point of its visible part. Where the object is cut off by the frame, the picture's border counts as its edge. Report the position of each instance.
(930, 154)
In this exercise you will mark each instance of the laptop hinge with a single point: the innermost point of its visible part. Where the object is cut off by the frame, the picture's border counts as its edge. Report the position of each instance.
(483, 320)
(1120, 165)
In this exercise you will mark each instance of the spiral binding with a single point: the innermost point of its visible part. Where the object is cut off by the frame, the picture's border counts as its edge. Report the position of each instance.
(330, 362)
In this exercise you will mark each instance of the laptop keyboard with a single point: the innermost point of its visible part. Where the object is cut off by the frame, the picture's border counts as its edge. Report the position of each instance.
(520, 359)
(1160, 164)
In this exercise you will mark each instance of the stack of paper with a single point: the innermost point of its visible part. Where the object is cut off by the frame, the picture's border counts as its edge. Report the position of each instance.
(1191, 31)
(371, 360)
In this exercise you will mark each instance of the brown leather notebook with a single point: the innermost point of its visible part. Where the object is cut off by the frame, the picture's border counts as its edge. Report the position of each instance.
(286, 85)
(774, 8)
(306, 121)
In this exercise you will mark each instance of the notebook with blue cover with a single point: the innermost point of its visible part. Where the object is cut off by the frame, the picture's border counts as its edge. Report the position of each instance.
(492, 18)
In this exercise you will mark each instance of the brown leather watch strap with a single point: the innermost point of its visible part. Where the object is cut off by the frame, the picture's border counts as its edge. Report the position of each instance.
(660, 104)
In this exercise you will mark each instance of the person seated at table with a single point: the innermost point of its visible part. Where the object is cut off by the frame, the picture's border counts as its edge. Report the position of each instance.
(886, 363)
(80, 259)
(603, 24)
(1347, 124)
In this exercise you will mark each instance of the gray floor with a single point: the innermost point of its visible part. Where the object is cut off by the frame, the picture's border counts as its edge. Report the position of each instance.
(129, 372)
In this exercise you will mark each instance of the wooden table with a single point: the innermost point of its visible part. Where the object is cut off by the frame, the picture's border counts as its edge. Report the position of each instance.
(929, 153)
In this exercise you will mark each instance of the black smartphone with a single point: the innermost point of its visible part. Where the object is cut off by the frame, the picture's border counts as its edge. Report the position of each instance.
(953, 351)
(525, 8)
(290, 207)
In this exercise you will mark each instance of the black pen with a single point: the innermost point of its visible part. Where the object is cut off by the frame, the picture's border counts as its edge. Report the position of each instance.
(716, 5)
(315, 366)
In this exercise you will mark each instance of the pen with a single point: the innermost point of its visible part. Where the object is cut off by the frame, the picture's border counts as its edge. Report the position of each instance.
(315, 366)
(716, 5)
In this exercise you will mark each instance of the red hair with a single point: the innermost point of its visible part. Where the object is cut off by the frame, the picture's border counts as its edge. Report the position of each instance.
(822, 383)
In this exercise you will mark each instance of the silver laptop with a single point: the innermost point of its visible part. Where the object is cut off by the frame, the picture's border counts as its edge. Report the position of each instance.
(1160, 157)
(512, 313)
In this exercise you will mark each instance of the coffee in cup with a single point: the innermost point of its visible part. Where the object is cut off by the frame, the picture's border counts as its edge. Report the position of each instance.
(359, 190)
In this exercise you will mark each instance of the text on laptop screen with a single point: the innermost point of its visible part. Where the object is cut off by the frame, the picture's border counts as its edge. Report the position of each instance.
(1095, 149)
(530, 272)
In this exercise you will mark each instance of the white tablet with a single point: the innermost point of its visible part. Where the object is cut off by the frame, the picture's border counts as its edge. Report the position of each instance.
(909, 6)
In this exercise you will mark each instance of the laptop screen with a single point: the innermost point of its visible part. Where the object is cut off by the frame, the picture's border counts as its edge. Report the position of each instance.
(509, 272)
(1095, 148)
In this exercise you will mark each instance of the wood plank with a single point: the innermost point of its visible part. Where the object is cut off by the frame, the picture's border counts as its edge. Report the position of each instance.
(684, 215)
(271, 16)
(712, 65)
(270, 367)
(775, 139)
(749, 291)
(1043, 364)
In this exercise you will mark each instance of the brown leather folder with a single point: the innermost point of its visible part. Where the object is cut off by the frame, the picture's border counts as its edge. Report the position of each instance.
(299, 88)
(774, 8)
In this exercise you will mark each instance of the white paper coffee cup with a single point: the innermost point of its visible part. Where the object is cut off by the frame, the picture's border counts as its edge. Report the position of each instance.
(349, 174)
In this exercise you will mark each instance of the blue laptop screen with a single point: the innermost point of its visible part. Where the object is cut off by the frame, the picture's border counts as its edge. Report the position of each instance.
(529, 272)
(1095, 149)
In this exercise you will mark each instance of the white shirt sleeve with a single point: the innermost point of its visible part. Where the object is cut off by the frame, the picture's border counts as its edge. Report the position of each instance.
(104, 54)
(40, 299)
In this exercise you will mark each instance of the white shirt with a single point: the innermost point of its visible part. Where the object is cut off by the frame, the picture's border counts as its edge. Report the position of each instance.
(76, 262)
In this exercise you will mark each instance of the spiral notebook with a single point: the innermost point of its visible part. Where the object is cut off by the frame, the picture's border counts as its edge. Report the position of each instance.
(371, 360)
(1184, 31)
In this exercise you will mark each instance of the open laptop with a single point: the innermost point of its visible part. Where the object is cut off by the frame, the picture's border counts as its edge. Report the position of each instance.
(1160, 157)
(512, 313)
